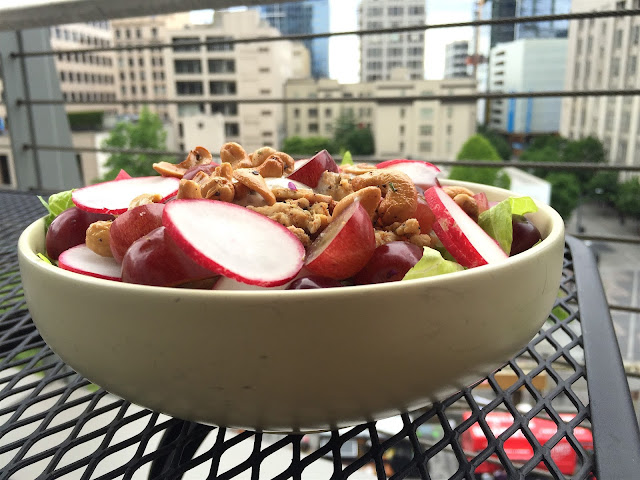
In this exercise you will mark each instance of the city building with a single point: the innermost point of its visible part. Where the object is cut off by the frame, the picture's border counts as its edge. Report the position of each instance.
(380, 54)
(455, 60)
(85, 77)
(420, 129)
(603, 55)
(215, 77)
(527, 65)
(141, 73)
(303, 17)
(508, 32)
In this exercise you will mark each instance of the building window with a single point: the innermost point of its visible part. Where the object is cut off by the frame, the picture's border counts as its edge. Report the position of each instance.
(313, 128)
(426, 113)
(636, 35)
(419, 10)
(266, 113)
(154, 32)
(264, 70)
(296, 113)
(189, 88)
(615, 67)
(617, 39)
(231, 129)
(138, 33)
(219, 47)
(426, 129)
(265, 91)
(131, 62)
(395, 11)
(425, 146)
(127, 33)
(632, 65)
(621, 155)
(221, 66)
(328, 112)
(187, 66)
(449, 129)
(312, 112)
(401, 130)
(181, 44)
(222, 88)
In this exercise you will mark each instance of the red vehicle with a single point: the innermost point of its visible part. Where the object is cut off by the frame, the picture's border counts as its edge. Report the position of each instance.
(517, 446)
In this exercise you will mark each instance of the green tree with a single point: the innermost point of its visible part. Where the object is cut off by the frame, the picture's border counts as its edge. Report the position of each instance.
(604, 186)
(565, 192)
(351, 136)
(307, 146)
(585, 150)
(145, 134)
(479, 148)
(497, 140)
(628, 198)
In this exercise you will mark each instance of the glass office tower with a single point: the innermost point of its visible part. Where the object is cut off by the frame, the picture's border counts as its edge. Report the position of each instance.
(305, 16)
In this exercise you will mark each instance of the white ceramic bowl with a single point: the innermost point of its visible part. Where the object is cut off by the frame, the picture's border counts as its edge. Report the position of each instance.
(295, 360)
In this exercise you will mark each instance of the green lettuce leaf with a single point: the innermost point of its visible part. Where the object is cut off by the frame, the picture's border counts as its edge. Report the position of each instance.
(44, 258)
(497, 220)
(346, 159)
(432, 264)
(58, 203)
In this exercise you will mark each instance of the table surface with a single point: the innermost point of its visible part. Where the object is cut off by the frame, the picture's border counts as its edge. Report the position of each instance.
(56, 424)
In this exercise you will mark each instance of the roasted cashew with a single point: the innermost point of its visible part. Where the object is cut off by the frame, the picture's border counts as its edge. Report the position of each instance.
(369, 198)
(468, 204)
(189, 189)
(197, 156)
(251, 178)
(401, 198)
(452, 191)
(97, 238)
(288, 162)
(271, 167)
(358, 168)
(260, 155)
(145, 199)
(234, 154)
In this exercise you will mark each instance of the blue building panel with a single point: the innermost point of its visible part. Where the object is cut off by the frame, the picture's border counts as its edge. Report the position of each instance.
(306, 16)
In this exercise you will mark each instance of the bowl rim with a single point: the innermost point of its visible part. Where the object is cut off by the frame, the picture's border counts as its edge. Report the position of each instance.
(556, 233)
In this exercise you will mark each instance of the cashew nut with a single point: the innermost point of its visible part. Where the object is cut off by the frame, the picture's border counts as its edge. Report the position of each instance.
(369, 198)
(145, 199)
(251, 178)
(452, 191)
(234, 154)
(97, 238)
(197, 156)
(271, 167)
(260, 155)
(288, 162)
(401, 198)
(189, 189)
(358, 168)
(468, 204)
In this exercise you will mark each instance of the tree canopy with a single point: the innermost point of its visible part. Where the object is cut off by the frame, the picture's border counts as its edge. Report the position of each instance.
(479, 148)
(497, 140)
(307, 145)
(145, 134)
(351, 136)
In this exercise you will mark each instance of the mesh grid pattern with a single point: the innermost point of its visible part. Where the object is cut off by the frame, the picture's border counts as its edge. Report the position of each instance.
(56, 424)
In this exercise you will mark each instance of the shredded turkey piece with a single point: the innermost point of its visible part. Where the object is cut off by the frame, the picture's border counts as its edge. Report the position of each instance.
(337, 185)
(298, 213)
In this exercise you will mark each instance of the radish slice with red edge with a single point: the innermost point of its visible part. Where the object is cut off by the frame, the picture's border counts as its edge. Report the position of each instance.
(423, 174)
(80, 259)
(234, 241)
(460, 234)
(114, 196)
(122, 175)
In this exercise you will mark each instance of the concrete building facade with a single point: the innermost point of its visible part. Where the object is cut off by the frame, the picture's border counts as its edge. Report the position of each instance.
(535, 64)
(141, 74)
(217, 76)
(424, 129)
(603, 54)
(85, 77)
(455, 60)
(380, 54)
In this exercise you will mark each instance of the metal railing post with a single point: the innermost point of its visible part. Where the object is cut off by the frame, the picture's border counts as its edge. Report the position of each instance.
(24, 79)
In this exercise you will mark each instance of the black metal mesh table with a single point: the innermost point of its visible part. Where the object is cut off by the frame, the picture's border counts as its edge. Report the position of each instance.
(56, 424)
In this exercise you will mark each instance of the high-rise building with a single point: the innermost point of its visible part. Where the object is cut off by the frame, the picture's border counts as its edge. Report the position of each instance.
(141, 73)
(421, 129)
(603, 54)
(523, 8)
(218, 75)
(527, 65)
(380, 54)
(302, 17)
(456, 55)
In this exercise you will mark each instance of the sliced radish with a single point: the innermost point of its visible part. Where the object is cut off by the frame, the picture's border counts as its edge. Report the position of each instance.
(423, 174)
(310, 170)
(114, 196)
(80, 259)
(236, 242)
(460, 235)
(345, 246)
(122, 175)
(226, 283)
